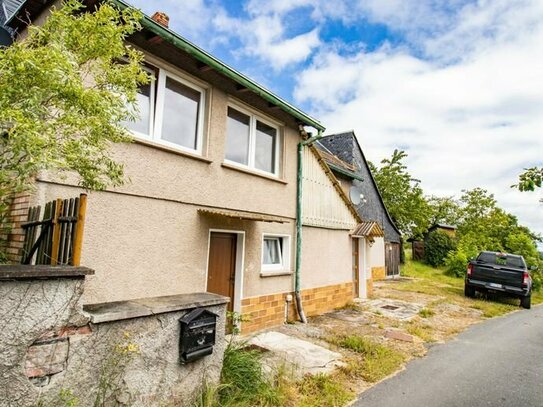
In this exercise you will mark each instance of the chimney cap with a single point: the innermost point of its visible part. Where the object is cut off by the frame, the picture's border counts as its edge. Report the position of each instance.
(161, 18)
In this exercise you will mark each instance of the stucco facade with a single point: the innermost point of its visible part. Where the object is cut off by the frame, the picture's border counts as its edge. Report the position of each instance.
(152, 236)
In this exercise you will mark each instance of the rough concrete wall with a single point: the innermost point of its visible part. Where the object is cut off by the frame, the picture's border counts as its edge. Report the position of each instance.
(377, 253)
(47, 347)
(326, 257)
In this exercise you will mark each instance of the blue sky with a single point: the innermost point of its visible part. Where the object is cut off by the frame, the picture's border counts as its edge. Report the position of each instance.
(458, 84)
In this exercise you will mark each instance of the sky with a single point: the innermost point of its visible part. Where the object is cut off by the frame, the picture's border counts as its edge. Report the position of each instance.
(457, 84)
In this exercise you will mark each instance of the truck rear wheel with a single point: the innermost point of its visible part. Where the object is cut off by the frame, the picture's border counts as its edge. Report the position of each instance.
(526, 302)
(469, 291)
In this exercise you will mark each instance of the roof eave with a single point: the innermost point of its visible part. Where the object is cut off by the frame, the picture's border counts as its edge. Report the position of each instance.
(210, 60)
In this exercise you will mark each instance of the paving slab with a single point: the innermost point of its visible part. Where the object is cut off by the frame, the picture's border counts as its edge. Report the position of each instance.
(348, 316)
(307, 357)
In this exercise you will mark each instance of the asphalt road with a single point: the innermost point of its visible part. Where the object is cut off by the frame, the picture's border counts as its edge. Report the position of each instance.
(495, 363)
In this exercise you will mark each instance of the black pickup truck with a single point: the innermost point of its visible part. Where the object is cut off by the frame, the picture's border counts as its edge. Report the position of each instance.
(499, 272)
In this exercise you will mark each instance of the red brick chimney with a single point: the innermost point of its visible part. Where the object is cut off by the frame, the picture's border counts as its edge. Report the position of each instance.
(161, 18)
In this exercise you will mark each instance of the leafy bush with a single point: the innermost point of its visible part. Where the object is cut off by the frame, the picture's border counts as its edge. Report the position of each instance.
(537, 280)
(437, 245)
(456, 263)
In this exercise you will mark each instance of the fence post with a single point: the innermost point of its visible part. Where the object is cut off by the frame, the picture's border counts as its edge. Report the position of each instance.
(80, 226)
(56, 233)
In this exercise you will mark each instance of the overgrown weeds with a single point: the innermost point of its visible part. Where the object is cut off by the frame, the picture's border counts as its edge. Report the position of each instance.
(378, 361)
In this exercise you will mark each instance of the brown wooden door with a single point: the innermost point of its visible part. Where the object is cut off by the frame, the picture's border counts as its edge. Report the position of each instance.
(392, 259)
(221, 271)
(356, 268)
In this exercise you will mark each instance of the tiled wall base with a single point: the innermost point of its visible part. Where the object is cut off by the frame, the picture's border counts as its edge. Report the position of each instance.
(378, 273)
(269, 310)
(369, 288)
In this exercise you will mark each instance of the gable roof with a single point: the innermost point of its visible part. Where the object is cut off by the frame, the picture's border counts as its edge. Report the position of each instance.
(337, 185)
(35, 6)
(348, 140)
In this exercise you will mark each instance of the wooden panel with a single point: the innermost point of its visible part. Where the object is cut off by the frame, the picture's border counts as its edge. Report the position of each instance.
(392, 259)
(222, 265)
(322, 204)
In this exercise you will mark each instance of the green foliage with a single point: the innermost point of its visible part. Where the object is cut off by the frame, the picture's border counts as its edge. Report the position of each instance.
(530, 179)
(402, 195)
(437, 246)
(426, 313)
(456, 263)
(379, 361)
(243, 380)
(443, 210)
(323, 390)
(65, 97)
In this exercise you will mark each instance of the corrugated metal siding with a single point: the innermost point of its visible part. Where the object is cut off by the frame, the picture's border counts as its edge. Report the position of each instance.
(9, 7)
(322, 205)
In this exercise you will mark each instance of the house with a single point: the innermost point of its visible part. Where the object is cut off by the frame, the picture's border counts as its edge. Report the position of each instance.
(224, 182)
(345, 157)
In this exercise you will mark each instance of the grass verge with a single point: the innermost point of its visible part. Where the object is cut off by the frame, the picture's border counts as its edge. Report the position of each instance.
(377, 362)
(244, 384)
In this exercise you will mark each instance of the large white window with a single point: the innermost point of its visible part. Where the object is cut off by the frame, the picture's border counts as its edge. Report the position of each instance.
(251, 141)
(275, 253)
(171, 111)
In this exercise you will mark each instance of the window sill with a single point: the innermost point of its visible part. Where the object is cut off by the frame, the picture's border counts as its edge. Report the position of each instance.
(173, 150)
(251, 172)
(276, 273)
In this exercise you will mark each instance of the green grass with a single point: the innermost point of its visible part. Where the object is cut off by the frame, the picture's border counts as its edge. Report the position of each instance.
(378, 361)
(243, 382)
(322, 390)
(422, 331)
(426, 313)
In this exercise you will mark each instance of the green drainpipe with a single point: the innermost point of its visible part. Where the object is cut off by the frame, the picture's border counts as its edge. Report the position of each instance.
(297, 283)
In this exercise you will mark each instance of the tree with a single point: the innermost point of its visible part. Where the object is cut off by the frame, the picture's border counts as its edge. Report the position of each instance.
(530, 179)
(65, 92)
(402, 195)
(443, 210)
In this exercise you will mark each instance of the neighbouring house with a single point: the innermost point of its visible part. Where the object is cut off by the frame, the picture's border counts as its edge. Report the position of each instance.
(382, 238)
(417, 245)
(215, 202)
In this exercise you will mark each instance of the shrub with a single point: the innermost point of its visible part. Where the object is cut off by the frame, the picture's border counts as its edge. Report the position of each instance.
(537, 280)
(456, 263)
(437, 245)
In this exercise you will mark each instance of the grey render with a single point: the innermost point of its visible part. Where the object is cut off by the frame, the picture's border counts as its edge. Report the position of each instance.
(345, 146)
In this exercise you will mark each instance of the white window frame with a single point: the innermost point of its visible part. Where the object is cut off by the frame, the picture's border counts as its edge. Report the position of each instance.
(285, 253)
(158, 90)
(253, 118)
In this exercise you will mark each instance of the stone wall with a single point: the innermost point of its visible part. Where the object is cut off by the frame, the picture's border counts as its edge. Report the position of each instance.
(127, 353)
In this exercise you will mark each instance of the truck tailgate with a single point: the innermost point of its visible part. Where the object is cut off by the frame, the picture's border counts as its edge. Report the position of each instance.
(498, 274)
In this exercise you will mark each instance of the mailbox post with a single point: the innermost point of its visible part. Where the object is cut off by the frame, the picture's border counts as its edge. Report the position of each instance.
(197, 337)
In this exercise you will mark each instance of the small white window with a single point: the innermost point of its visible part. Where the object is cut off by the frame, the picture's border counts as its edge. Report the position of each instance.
(170, 111)
(275, 253)
(251, 142)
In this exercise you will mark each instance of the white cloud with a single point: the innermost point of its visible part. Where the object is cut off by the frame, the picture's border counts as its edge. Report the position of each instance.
(468, 112)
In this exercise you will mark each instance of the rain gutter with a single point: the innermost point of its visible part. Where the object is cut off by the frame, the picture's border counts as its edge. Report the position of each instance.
(221, 67)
